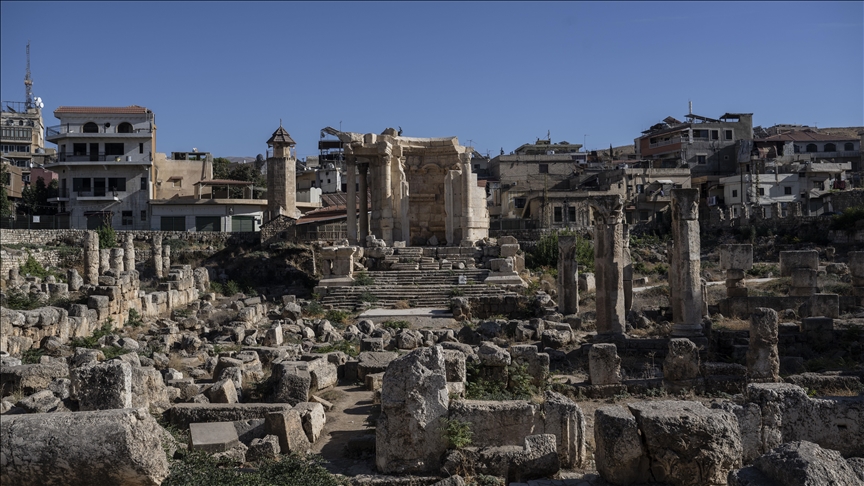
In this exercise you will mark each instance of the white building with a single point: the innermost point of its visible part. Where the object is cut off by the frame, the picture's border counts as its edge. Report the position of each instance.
(104, 163)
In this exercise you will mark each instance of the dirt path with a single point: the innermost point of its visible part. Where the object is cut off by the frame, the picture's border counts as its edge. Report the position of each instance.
(352, 405)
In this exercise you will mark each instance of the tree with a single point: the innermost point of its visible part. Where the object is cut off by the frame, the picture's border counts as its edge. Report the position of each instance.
(5, 203)
(221, 168)
(34, 198)
(225, 169)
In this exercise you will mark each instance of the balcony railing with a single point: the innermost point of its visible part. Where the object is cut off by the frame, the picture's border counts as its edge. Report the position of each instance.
(98, 157)
(664, 143)
(79, 129)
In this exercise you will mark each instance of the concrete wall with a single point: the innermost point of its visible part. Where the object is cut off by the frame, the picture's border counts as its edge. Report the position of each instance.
(178, 177)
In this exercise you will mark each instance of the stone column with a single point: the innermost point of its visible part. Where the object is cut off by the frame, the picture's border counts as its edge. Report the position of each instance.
(364, 204)
(14, 275)
(802, 267)
(763, 361)
(609, 263)
(115, 260)
(351, 202)
(681, 366)
(156, 243)
(91, 257)
(128, 253)
(687, 298)
(568, 282)
(104, 260)
(166, 259)
(736, 260)
(628, 269)
(386, 199)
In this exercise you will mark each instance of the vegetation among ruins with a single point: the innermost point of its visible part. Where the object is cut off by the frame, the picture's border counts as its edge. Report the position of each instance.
(517, 385)
(363, 279)
(194, 468)
(107, 236)
(545, 252)
(457, 432)
(848, 219)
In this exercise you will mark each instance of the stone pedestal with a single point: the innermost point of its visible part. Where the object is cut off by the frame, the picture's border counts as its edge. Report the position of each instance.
(681, 366)
(684, 276)
(763, 361)
(604, 365)
(338, 265)
(568, 283)
(609, 263)
(104, 260)
(736, 260)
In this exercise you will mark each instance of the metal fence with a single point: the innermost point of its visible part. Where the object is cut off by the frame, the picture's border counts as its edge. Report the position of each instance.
(60, 221)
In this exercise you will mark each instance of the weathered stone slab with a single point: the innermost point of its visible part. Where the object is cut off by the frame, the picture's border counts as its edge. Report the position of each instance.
(213, 436)
(182, 414)
(98, 448)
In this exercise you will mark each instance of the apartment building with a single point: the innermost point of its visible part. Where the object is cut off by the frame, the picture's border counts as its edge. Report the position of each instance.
(104, 162)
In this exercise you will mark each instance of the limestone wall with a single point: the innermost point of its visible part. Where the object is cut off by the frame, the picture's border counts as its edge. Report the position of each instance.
(68, 257)
(72, 236)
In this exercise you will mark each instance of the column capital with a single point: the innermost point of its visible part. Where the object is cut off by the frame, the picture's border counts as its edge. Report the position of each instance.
(685, 204)
(608, 209)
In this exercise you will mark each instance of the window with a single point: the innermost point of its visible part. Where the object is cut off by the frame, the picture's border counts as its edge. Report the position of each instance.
(79, 149)
(761, 191)
(702, 159)
(727, 134)
(715, 134)
(91, 127)
(117, 184)
(558, 214)
(208, 223)
(849, 147)
(80, 184)
(640, 188)
(143, 183)
(643, 215)
(544, 168)
(700, 133)
(114, 149)
(734, 192)
(830, 147)
(141, 148)
(126, 218)
(143, 215)
(124, 127)
(519, 202)
(571, 214)
(811, 147)
(787, 191)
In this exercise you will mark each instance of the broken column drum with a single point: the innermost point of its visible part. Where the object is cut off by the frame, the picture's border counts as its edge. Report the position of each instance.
(763, 360)
(115, 260)
(686, 266)
(609, 263)
(104, 260)
(802, 266)
(568, 282)
(166, 259)
(736, 260)
(628, 269)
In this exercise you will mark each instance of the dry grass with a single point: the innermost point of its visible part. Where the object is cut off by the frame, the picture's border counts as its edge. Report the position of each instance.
(332, 395)
(176, 361)
(401, 304)
(731, 324)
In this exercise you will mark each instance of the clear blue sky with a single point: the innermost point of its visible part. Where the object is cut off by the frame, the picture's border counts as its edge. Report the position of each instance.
(220, 75)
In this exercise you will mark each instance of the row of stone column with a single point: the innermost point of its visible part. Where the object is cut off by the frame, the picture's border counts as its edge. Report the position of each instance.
(97, 261)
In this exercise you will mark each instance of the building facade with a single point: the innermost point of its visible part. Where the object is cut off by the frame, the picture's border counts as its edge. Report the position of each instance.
(104, 162)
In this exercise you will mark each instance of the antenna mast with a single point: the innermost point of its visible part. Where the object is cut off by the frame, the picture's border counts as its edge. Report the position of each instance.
(28, 83)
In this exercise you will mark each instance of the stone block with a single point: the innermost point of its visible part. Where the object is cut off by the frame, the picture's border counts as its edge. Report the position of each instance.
(288, 427)
(182, 414)
(94, 448)
(213, 436)
(604, 365)
(102, 386)
(817, 324)
(291, 382)
(313, 418)
(821, 305)
(373, 362)
(789, 260)
(737, 257)
(620, 455)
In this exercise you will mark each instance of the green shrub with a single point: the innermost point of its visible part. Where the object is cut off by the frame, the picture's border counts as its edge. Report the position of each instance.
(134, 319)
(314, 309)
(368, 297)
(456, 292)
(519, 386)
(33, 268)
(337, 316)
(93, 340)
(112, 352)
(545, 252)
(363, 279)
(763, 270)
(457, 433)
(848, 219)
(18, 300)
(396, 325)
(32, 356)
(194, 468)
(350, 348)
(176, 244)
(107, 236)
(217, 287)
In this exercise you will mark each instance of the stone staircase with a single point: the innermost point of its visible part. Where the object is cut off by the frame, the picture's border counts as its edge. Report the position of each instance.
(420, 288)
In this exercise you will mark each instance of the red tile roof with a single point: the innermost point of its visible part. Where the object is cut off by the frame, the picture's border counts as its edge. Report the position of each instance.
(103, 110)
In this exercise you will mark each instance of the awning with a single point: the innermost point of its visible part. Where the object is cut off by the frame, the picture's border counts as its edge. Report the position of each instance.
(664, 181)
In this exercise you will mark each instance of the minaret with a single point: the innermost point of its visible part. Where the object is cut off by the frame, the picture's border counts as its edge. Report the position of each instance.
(281, 176)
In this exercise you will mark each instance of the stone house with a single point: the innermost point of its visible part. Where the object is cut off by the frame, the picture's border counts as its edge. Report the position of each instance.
(704, 145)
(105, 162)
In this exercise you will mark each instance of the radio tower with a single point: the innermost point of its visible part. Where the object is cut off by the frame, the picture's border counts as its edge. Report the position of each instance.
(28, 83)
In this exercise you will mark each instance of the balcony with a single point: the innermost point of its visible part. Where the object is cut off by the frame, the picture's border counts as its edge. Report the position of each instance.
(101, 157)
(671, 141)
(98, 194)
(61, 131)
